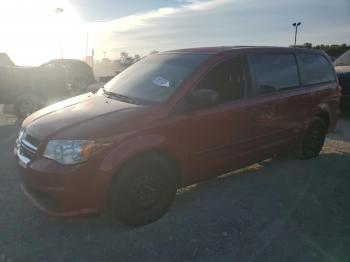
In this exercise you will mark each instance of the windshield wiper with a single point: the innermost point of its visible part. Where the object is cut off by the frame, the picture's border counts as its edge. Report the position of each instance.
(118, 96)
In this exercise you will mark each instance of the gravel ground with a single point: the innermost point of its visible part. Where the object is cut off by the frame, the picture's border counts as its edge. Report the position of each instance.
(278, 210)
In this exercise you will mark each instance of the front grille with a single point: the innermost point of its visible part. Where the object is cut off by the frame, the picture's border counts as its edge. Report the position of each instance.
(28, 147)
(27, 151)
(34, 141)
(345, 84)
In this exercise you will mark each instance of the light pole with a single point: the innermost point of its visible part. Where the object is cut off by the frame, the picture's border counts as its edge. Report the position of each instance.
(296, 32)
(59, 12)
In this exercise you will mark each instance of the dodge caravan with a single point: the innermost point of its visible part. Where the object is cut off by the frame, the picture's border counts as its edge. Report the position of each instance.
(171, 120)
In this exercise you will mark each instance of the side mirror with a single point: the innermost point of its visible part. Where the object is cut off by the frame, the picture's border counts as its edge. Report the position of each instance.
(204, 98)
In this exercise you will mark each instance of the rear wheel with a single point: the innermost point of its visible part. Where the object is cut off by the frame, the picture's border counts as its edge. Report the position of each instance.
(144, 190)
(313, 139)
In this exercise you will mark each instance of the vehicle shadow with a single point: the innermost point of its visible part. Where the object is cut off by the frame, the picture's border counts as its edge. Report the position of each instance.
(244, 211)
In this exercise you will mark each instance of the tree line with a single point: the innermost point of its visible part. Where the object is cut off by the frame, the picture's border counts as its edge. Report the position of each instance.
(127, 60)
(332, 50)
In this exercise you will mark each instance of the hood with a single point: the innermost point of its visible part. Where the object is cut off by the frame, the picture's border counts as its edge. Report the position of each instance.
(73, 112)
(342, 69)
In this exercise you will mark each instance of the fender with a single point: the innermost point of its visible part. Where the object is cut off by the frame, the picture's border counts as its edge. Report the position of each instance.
(129, 148)
(137, 145)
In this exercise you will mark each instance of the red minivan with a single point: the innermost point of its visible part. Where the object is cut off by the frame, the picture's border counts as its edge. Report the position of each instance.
(171, 120)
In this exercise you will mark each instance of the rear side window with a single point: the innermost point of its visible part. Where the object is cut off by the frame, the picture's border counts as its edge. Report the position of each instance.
(315, 69)
(274, 72)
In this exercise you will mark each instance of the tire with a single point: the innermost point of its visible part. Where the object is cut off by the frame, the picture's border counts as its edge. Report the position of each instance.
(27, 104)
(313, 139)
(144, 190)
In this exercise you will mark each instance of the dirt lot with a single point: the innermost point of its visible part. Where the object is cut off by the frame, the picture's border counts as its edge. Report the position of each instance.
(279, 210)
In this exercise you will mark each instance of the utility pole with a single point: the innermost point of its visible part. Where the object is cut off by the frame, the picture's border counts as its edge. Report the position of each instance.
(87, 46)
(296, 32)
(92, 59)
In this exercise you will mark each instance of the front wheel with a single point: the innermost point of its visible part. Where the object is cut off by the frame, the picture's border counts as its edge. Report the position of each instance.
(313, 138)
(144, 190)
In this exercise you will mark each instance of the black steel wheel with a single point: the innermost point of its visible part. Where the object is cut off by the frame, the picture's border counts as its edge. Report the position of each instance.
(143, 190)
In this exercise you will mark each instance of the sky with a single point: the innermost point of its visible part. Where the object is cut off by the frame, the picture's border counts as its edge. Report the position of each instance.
(31, 32)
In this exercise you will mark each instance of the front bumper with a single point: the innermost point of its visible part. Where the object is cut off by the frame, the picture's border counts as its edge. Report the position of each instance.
(63, 191)
(47, 208)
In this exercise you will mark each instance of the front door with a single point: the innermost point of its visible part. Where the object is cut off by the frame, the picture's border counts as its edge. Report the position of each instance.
(225, 136)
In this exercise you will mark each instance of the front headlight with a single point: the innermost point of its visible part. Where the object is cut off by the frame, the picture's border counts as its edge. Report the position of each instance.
(68, 152)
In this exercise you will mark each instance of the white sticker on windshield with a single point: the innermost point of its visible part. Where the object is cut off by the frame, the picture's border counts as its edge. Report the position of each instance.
(160, 81)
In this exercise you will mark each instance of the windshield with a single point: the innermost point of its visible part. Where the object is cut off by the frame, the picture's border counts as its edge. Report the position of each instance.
(154, 79)
(343, 60)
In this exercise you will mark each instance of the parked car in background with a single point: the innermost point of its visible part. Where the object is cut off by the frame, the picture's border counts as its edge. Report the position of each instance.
(342, 67)
(78, 73)
(171, 120)
(31, 88)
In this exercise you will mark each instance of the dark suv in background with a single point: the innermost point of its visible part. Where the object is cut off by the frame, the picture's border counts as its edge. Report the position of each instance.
(31, 88)
(342, 67)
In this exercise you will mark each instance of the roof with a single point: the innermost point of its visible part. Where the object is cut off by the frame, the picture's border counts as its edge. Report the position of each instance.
(221, 49)
(65, 61)
(206, 50)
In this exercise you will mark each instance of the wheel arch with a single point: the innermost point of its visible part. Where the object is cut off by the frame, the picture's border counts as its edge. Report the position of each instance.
(168, 156)
(139, 145)
(162, 153)
(324, 112)
(165, 154)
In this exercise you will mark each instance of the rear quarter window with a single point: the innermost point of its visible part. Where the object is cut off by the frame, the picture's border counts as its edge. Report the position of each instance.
(274, 72)
(315, 69)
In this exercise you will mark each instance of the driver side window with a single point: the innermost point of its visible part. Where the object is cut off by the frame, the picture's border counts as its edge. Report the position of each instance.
(228, 79)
